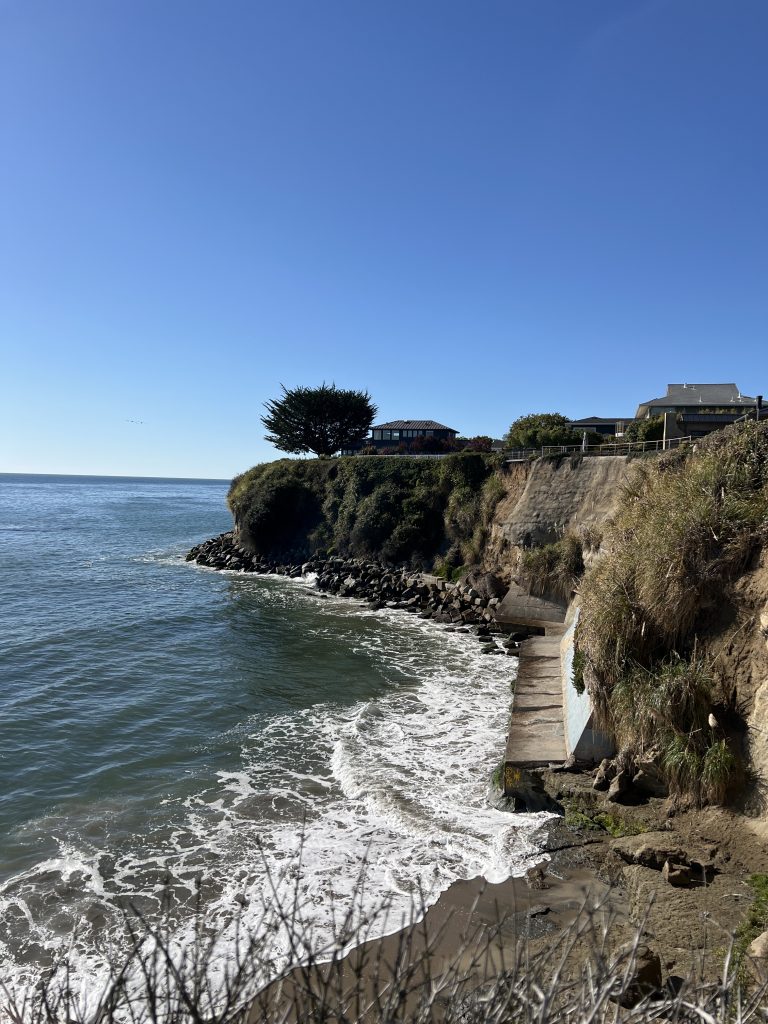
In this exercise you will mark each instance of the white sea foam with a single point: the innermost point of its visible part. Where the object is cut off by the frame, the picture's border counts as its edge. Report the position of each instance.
(398, 783)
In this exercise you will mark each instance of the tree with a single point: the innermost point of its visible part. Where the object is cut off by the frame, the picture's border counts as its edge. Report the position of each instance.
(481, 443)
(651, 429)
(541, 428)
(322, 420)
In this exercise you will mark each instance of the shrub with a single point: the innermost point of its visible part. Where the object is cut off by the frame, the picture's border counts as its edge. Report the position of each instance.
(755, 922)
(651, 429)
(537, 429)
(376, 517)
(402, 510)
(686, 526)
(579, 664)
(481, 443)
(552, 570)
(431, 445)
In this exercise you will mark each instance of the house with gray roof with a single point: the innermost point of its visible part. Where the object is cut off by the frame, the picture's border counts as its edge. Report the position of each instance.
(692, 397)
(405, 432)
(608, 426)
(695, 410)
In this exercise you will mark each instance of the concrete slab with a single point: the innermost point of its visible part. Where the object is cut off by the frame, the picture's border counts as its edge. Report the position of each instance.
(537, 701)
(521, 609)
(536, 732)
(541, 670)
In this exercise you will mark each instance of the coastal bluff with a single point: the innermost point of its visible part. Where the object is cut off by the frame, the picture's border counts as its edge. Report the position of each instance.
(461, 527)
(645, 576)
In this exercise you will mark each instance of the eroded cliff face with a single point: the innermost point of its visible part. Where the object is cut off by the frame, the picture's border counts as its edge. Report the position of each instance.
(573, 493)
(548, 498)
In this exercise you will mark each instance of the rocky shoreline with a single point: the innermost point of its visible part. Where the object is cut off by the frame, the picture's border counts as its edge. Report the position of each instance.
(467, 606)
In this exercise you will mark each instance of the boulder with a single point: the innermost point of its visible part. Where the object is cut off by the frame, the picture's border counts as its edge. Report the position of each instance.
(758, 948)
(604, 774)
(486, 585)
(678, 875)
(648, 779)
(654, 851)
(650, 852)
(536, 877)
(619, 787)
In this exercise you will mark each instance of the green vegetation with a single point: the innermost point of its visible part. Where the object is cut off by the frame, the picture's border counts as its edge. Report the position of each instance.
(450, 572)
(580, 820)
(688, 524)
(552, 570)
(611, 825)
(754, 924)
(322, 420)
(583, 811)
(481, 443)
(423, 512)
(651, 429)
(579, 664)
(620, 827)
(538, 429)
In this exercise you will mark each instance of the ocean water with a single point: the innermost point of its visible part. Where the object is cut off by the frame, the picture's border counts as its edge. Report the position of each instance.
(173, 738)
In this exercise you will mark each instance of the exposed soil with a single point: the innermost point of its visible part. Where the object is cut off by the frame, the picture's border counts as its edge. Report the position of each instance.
(689, 920)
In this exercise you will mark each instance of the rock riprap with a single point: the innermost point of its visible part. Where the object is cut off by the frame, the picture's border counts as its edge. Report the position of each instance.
(457, 605)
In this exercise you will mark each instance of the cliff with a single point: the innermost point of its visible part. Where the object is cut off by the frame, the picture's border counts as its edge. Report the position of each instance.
(671, 638)
(429, 514)
(666, 555)
(432, 514)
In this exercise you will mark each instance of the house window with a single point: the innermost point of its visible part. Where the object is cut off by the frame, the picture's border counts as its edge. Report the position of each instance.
(395, 435)
(430, 433)
(377, 435)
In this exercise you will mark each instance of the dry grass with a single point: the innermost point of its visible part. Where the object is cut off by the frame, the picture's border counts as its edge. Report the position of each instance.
(578, 976)
(552, 570)
(688, 526)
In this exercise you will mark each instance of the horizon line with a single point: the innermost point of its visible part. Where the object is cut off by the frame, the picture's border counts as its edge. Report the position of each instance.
(121, 476)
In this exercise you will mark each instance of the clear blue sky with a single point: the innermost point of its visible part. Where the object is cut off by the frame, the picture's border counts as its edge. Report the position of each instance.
(473, 210)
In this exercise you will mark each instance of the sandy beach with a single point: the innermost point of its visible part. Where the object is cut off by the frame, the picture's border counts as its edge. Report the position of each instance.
(475, 931)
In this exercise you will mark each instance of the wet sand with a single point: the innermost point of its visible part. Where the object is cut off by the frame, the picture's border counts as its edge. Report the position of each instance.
(474, 931)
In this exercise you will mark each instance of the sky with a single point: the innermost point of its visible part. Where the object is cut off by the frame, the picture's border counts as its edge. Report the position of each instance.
(473, 210)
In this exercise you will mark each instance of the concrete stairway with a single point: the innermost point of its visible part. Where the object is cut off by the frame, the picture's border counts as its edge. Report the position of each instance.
(536, 730)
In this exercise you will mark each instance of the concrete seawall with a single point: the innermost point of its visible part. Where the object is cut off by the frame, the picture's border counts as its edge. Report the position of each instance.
(550, 720)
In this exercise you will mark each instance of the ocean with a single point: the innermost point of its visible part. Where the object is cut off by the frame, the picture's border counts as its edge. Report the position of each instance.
(178, 741)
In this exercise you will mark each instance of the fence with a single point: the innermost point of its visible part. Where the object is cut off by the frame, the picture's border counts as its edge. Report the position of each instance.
(610, 448)
(525, 454)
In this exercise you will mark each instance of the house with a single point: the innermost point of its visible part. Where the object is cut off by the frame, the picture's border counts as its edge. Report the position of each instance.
(694, 410)
(609, 426)
(405, 432)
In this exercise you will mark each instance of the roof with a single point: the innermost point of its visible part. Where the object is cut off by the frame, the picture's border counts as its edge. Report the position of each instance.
(701, 394)
(599, 419)
(412, 425)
